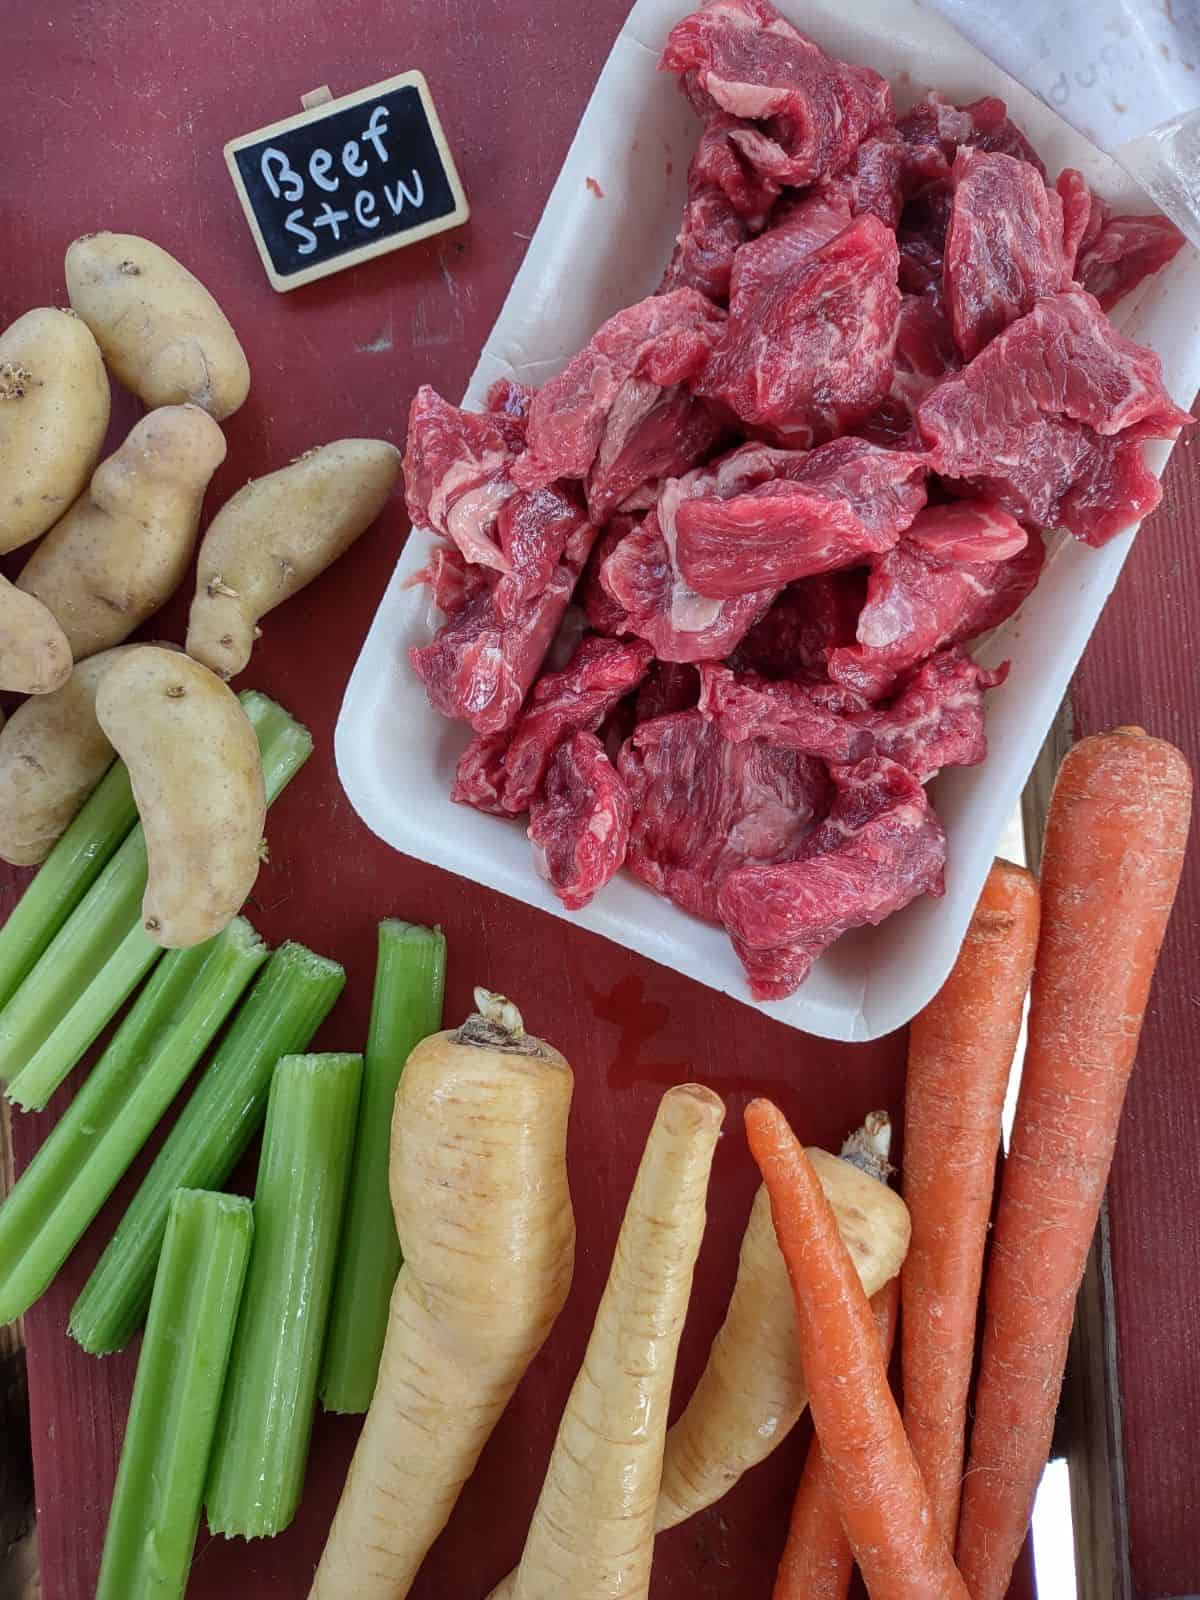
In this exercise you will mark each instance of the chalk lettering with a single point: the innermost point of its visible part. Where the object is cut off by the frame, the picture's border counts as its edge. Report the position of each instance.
(401, 194)
(327, 217)
(286, 175)
(375, 130)
(364, 209)
(319, 164)
(352, 161)
(294, 225)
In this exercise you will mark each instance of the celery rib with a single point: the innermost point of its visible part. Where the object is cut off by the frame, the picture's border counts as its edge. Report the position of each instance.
(410, 977)
(101, 953)
(261, 1446)
(176, 1398)
(168, 1028)
(65, 876)
(291, 997)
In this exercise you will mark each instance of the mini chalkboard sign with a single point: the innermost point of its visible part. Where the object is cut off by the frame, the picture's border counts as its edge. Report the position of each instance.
(346, 179)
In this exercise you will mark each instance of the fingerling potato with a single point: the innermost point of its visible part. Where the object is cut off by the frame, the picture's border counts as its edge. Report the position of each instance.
(54, 408)
(35, 657)
(53, 753)
(276, 535)
(162, 333)
(197, 779)
(123, 548)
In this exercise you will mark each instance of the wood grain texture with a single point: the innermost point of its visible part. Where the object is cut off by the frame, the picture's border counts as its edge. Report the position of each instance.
(1141, 667)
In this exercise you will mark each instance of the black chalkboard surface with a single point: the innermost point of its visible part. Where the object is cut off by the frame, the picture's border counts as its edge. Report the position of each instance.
(346, 180)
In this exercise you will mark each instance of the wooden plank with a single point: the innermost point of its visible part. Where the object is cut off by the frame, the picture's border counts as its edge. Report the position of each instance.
(1141, 668)
(18, 1537)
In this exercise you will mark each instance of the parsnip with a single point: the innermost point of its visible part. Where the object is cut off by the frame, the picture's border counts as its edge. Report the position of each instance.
(276, 535)
(35, 657)
(54, 408)
(123, 548)
(752, 1391)
(479, 1189)
(592, 1535)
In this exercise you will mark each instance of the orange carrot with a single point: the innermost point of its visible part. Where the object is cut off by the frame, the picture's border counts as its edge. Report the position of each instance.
(882, 1498)
(960, 1050)
(818, 1562)
(1114, 850)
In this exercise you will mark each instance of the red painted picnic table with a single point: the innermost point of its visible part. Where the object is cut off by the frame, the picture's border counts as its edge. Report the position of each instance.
(114, 117)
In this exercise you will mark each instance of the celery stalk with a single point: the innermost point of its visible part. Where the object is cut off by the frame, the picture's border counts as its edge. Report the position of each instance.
(168, 1028)
(65, 876)
(176, 1398)
(261, 1444)
(101, 953)
(410, 976)
(291, 997)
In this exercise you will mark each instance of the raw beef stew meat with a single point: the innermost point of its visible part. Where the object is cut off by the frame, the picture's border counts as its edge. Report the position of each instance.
(579, 822)
(831, 507)
(809, 355)
(706, 593)
(703, 806)
(1004, 246)
(878, 849)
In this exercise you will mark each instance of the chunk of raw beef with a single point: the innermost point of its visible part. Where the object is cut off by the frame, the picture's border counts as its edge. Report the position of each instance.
(669, 686)
(651, 433)
(603, 613)
(797, 228)
(920, 600)
(534, 528)
(744, 706)
(591, 409)
(937, 718)
(810, 354)
(880, 847)
(742, 57)
(456, 473)
(1026, 422)
(1081, 218)
(576, 700)
(703, 806)
(479, 666)
(809, 619)
(706, 245)
(641, 578)
(479, 776)
(885, 171)
(1125, 251)
(451, 580)
(925, 353)
(511, 399)
(921, 239)
(1004, 246)
(834, 507)
(984, 124)
(579, 822)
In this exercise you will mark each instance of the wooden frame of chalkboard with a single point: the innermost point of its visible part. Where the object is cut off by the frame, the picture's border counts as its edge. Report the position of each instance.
(395, 173)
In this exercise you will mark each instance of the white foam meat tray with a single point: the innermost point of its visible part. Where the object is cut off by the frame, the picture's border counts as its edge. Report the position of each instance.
(589, 257)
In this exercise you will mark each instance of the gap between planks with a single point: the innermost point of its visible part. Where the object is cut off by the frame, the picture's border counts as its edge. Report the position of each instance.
(1089, 1430)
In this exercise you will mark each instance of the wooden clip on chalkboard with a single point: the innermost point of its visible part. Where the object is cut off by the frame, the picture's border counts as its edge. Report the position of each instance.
(346, 179)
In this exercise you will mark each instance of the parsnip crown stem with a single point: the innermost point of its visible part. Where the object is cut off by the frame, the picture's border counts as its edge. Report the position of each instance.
(868, 1147)
(496, 1025)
